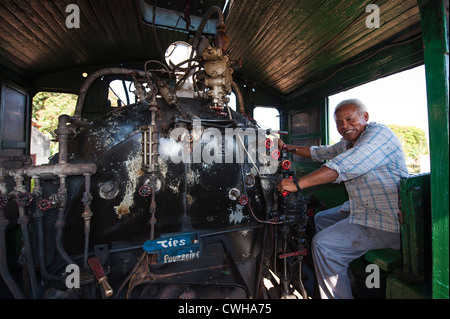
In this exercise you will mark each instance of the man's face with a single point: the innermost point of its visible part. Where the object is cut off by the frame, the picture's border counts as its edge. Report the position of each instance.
(350, 123)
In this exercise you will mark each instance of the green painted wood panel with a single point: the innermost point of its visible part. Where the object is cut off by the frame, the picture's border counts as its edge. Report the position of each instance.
(435, 38)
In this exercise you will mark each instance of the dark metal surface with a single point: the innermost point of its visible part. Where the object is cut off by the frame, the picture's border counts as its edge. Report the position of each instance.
(192, 196)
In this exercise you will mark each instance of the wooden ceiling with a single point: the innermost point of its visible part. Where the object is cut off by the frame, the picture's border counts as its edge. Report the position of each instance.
(283, 44)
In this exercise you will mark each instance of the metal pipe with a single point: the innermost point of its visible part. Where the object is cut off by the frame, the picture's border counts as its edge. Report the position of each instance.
(92, 77)
(52, 169)
(268, 184)
(4, 271)
(300, 281)
(275, 247)
(41, 251)
(63, 136)
(87, 214)
(60, 223)
(23, 221)
(62, 170)
(152, 213)
(285, 278)
(38, 216)
(261, 263)
(205, 19)
(239, 97)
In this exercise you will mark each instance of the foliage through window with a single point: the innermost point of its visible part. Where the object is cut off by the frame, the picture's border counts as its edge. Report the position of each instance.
(47, 107)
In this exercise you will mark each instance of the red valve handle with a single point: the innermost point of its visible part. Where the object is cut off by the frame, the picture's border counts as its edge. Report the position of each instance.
(45, 205)
(303, 252)
(286, 164)
(243, 200)
(24, 199)
(275, 154)
(145, 191)
(3, 200)
(269, 143)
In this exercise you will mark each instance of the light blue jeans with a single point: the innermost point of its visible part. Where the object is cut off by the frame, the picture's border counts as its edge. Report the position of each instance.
(337, 243)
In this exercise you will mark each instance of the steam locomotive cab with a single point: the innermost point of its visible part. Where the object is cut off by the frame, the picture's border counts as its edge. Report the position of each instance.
(172, 196)
(170, 191)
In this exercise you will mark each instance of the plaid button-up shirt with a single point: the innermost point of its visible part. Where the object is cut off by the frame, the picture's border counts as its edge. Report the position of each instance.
(371, 171)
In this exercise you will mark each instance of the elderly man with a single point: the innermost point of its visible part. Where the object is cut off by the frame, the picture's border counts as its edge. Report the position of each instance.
(370, 160)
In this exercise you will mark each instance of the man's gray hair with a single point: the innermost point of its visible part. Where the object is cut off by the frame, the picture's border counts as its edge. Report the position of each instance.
(359, 105)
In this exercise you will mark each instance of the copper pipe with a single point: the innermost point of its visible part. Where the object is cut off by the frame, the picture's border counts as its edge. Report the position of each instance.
(92, 77)
(240, 98)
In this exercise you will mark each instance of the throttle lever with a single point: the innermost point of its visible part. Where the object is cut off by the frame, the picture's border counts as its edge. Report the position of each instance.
(101, 276)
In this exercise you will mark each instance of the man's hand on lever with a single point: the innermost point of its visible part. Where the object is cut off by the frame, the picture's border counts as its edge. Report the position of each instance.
(287, 185)
(320, 176)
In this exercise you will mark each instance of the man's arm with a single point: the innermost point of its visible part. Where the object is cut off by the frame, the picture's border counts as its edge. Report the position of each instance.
(323, 175)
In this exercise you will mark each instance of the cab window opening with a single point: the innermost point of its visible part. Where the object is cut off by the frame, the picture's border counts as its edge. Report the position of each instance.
(400, 102)
(121, 92)
(267, 117)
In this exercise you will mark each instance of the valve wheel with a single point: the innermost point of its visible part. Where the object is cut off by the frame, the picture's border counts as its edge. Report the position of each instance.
(243, 200)
(269, 143)
(286, 164)
(45, 205)
(276, 154)
(145, 191)
(3, 200)
(24, 199)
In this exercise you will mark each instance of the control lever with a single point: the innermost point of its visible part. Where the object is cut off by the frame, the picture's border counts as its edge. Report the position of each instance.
(101, 276)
